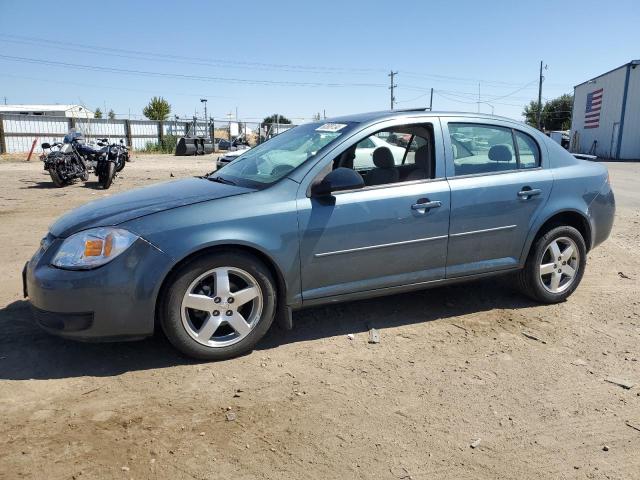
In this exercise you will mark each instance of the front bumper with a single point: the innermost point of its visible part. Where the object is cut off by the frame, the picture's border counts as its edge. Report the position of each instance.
(112, 302)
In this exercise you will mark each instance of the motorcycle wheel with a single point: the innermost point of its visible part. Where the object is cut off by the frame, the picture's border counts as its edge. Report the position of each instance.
(120, 164)
(55, 176)
(105, 177)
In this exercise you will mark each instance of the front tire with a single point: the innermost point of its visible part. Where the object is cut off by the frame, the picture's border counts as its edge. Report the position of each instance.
(555, 265)
(120, 163)
(56, 178)
(218, 306)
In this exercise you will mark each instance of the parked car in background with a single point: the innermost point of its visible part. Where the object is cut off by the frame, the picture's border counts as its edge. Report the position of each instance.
(230, 156)
(297, 222)
(364, 151)
(235, 144)
(221, 144)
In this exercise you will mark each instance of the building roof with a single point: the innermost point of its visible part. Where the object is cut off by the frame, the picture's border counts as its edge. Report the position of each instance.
(632, 62)
(42, 108)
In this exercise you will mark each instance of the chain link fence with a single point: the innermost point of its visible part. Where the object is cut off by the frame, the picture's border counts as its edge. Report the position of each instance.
(19, 132)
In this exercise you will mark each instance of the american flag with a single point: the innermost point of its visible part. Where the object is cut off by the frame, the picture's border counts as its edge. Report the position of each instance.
(592, 112)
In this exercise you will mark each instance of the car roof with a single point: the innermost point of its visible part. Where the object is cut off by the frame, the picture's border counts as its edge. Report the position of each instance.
(421, 112)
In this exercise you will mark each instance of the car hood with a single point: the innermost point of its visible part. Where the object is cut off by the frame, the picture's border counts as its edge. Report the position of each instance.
(126, 206)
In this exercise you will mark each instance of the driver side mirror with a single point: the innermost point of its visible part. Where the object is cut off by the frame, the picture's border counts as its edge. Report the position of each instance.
(337, 180)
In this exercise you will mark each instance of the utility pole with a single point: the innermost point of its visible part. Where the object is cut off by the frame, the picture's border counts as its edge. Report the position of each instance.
(392, 86)
(478, 97)
(206, 119)
(540, 98)
(431, 101)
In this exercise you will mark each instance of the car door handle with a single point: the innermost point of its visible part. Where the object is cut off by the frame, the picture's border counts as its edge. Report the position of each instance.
(426, 205)
(527, 192)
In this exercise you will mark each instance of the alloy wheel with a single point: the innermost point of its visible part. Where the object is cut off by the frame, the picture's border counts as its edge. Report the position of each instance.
(222, 306)
(559, 265)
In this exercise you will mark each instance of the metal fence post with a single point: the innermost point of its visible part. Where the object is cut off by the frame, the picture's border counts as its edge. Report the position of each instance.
(3, 142)
(127, 132)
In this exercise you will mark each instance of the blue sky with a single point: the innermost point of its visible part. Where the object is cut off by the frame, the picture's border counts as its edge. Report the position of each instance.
(298, 58)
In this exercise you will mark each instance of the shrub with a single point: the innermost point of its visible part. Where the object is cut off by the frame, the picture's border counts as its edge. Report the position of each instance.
(166, 145)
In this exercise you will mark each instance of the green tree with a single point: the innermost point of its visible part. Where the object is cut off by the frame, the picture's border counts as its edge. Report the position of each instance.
(111, 114)
(556, 113)
(158, 109)
(530, 113)
(97, 113)
(272, 119)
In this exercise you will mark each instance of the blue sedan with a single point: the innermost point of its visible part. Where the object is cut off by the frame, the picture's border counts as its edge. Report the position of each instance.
(214, 260)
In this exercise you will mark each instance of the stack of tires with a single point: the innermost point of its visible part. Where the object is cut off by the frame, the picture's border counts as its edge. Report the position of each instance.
(187, 146)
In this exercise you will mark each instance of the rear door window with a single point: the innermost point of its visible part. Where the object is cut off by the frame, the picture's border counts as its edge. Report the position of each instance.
(482, 148)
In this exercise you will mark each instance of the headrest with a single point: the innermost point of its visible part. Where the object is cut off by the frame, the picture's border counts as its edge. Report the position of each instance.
(383, 158)
(500, 153)
(422, 156)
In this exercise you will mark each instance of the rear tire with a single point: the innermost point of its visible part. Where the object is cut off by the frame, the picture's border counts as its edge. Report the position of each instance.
(555, 265)
(106, 177)
(218, 306)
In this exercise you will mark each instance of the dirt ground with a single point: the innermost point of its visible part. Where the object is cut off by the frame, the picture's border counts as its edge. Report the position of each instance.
(454, 365)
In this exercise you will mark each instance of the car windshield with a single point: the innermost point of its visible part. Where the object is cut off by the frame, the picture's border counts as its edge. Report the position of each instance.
(269, 162)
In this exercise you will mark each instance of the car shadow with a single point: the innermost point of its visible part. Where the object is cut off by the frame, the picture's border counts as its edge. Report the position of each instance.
(398, 310)
(27, 352)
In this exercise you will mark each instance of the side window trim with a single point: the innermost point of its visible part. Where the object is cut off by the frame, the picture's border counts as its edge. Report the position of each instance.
(516, 147)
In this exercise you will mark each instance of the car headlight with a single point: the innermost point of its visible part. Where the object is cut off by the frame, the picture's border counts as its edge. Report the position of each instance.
(92, 248)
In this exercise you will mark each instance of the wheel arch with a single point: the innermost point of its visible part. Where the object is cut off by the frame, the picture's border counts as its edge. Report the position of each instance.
(572, 218)
(269, 262)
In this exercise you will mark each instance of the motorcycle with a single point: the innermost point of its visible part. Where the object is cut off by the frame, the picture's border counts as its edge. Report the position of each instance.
(121, 154)
(62, 165)
(75, 159)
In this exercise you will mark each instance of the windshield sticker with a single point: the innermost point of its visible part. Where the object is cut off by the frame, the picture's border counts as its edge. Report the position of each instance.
(331, 127)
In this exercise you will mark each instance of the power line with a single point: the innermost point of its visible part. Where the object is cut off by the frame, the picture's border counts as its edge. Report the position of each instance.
(414, 98)
(146, 55)
(443, 94)
(186, 76)
(110, 87)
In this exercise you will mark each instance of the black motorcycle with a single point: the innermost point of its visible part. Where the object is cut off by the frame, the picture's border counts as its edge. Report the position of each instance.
(121, 154)
(63, 166)
(74, 159)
